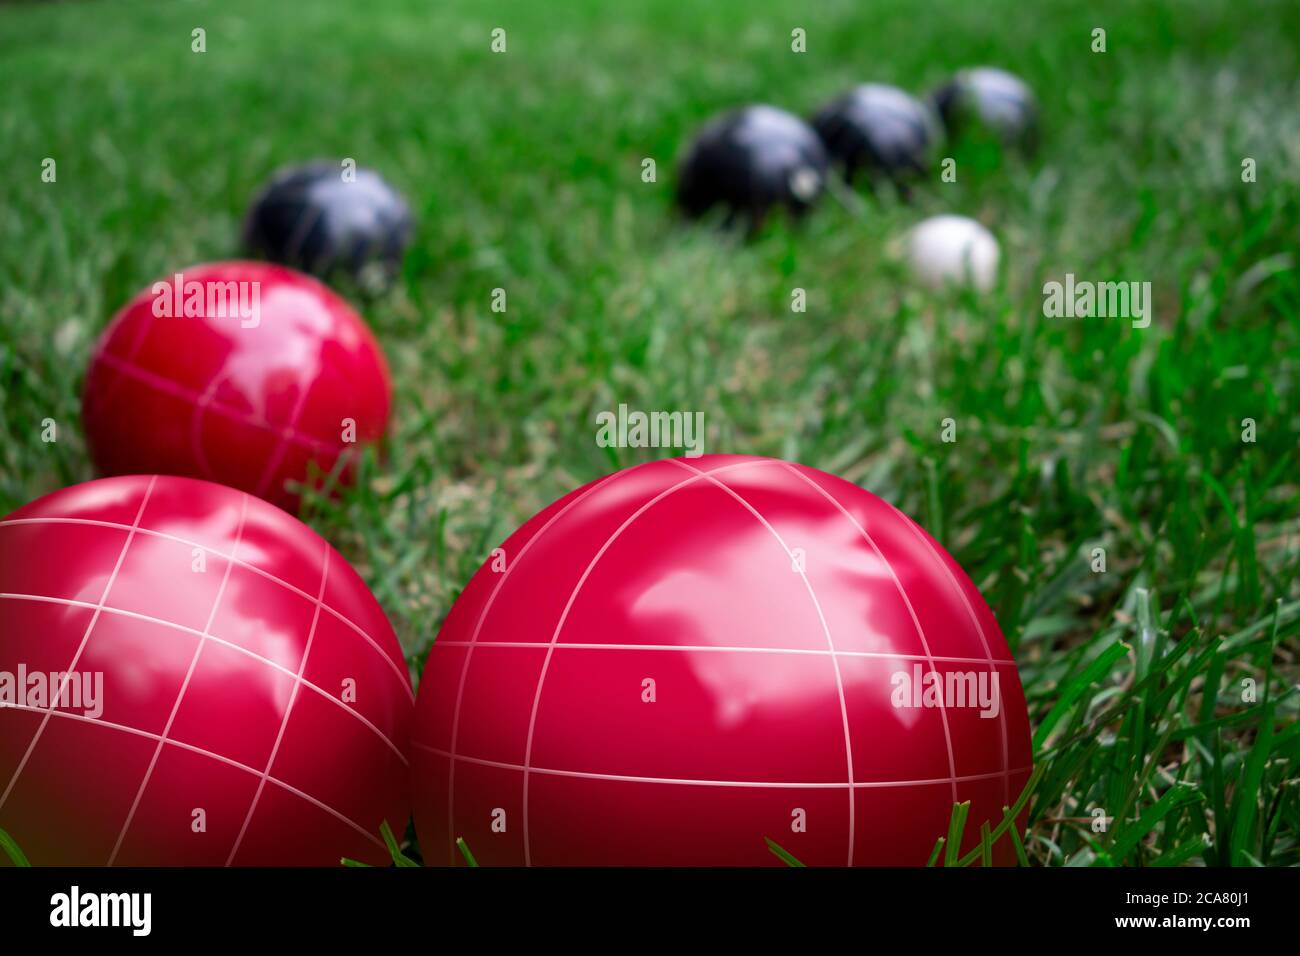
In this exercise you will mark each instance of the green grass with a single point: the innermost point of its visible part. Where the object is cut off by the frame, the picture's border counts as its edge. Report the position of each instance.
(12, 850)
(524, 170)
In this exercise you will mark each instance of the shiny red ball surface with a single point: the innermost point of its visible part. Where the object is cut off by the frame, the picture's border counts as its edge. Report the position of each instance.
(684, 658)
(247, 385)
(254, 705)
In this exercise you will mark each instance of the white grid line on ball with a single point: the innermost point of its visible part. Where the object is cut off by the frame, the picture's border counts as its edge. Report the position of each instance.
(247, 652)
(185, 686)
(541, 680)
(197, 407)
(839, 680)
(108, 586)
(288, 710)
(398, 672)
(737, 649)
(920, 631)
(219, 758)
(141, 337)
(177, 390)
(979, 629)
(705, 782)
(282, 443)
(511, 564)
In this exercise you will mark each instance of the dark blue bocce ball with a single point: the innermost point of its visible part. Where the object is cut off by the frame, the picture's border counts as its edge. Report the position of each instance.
(750, 160)
(879, 132)
(321, 219)
(998, 102)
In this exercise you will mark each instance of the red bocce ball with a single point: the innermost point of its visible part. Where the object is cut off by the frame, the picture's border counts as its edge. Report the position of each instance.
(235, 693)
(243, 373)
(684, 658)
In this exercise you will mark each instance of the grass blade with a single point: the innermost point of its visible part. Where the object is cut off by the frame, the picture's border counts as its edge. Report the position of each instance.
(13, 850)
(956, 824)
(1022, 858)
(1246, 799)
(1094, 672)
(986, 846)
(399, 858)
(1009, 816)
(934, 854)
(1184, 853)
(464, 851)
(1129, 837)
(782, 853)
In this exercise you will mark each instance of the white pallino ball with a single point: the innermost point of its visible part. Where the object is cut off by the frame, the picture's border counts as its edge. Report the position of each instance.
(953, 250)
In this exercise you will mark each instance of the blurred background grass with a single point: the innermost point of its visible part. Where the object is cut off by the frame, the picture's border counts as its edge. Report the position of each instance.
(524, 170)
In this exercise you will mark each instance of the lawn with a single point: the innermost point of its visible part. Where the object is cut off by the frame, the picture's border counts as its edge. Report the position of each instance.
(1162, 689)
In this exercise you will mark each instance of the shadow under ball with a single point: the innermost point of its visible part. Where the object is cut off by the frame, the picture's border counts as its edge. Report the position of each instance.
(748, 161)
(311, 218)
